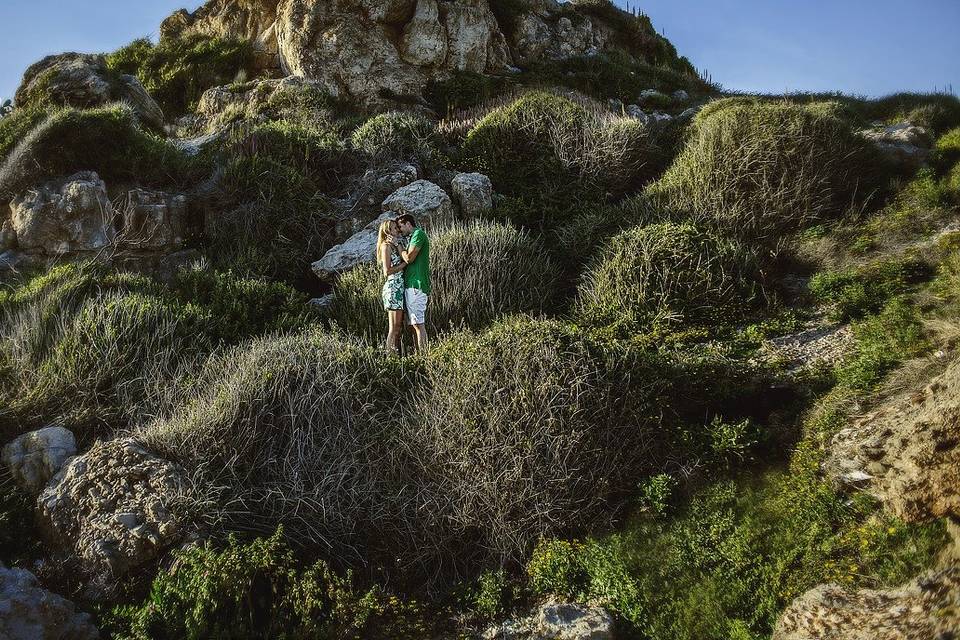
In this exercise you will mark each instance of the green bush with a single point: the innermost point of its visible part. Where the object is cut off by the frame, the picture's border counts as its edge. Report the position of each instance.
(397, 135)
(105, 140)
(766, 169)
(462, 90)
(664, 273)
(15, 127)
(260, 589)
(480, 271)
(947, 148)
(551, 149)
(855, 292)
(177, 71)
(297, 430)
(513, 437)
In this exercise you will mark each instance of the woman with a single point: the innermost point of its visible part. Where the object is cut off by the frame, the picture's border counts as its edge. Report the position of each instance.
(392, 265)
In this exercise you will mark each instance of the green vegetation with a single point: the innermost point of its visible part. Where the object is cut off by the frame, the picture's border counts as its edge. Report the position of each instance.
(665, 273)
(470, 288)
(855, 292)
(105, 140)
(763, 170)
(398, 136)
(15, 127)
(176, 72)
(260, 589)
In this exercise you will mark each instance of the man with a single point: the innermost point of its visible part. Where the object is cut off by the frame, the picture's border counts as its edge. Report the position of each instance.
(416, 277)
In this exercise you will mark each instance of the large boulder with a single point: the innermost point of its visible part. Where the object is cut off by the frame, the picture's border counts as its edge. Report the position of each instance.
(66, 216)
(357, 249)
(30, 612)
(426, 202)
(112, 506)
(154, 220)
(83, 80)
(472, 193)
(33, 458)
(924, 609)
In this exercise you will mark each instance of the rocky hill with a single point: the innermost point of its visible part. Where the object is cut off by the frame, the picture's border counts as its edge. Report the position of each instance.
(692, 374)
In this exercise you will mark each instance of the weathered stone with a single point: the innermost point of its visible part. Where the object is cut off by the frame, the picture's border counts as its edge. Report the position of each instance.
(322, 303)
(474, 40)
(83, 80)
(153, 220)
(556, 621)
(33, 458)
(357, 249)
(473, 194)
(903, 142)
(424, 40)
(252, 20)
(112, 506)
(925, 609)
(68, 216)
(426, 202)
(30, 612)
(8, 236)
(652, 95)
(635, 111)
(680, 95)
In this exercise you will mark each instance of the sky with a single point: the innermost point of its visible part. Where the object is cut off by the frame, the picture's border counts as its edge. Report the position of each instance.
(866, 47)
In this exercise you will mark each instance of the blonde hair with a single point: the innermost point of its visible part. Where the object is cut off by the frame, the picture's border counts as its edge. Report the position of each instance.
(382, 236)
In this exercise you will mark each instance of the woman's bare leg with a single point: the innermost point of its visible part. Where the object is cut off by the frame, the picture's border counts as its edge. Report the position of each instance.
(395, 321)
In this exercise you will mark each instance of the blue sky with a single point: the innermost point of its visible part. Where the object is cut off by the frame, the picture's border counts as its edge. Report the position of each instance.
(871, 47)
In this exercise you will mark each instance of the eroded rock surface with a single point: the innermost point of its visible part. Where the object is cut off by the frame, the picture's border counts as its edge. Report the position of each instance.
(357, 249)
(904, 142)
(907, 451)
(66, 216)
(425, 201)
(84, 81)
(927, 608)
(30, 612)
(556, 621)
(112, 506)
(33, 458)
(473, 194)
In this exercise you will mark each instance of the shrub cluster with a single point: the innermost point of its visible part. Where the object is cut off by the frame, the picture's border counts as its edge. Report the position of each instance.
(480, 271)
(177, 71)
(665, 273)
(398, 136)
(855, 292)
(766, 169)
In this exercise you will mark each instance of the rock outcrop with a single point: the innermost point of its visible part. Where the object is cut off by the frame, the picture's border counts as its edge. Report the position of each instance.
(472, 193)
(544, 30)
(357, 249)
(252, 20)
(30, 612)
(154, 220)
(426, 202)
(112, 506)
(68, 216)
(84, 81)
(33, 458)
(556, 621)
(903, 142)
(927, 608)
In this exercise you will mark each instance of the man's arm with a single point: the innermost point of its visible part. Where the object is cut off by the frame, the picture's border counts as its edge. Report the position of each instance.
(409, 255)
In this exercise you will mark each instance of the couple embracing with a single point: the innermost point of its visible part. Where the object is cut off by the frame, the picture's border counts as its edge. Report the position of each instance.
(403, 253)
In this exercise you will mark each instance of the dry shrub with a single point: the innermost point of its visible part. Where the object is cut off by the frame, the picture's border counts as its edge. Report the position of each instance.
(761, 170)
(664, 273)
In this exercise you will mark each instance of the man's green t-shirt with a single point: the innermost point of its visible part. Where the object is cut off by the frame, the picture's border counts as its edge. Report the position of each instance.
(417, 273)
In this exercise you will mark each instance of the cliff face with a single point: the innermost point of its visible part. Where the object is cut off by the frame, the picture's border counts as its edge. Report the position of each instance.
(364, 49)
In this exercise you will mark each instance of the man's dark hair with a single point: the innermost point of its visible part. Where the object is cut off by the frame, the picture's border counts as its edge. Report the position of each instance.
(406, 218)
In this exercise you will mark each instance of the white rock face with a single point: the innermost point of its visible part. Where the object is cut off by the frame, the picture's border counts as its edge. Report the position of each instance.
(473, 193)
(903, 142)
(111, 506)
(30, 612)
(154, 220)
(424, 40)
(33, 458)
(425, 201)
(64, 217)
(83, 80)
(556, 621)
(358, 249)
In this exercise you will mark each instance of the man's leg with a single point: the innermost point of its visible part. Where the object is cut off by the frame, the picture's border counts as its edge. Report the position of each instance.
(420, 330)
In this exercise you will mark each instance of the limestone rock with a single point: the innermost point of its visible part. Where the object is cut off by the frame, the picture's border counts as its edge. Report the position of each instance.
(83, 80)
(425, 201)
(33, 458)
(910, 448)
(925, 609)
(424, 40)
(30, 612)
(154, 220)
(112, 506)
(903, 142)
(473, 193)
(357, 249)
(252, 20)
(67, 216)
(474, 40)
(556, 621)
(680, 95)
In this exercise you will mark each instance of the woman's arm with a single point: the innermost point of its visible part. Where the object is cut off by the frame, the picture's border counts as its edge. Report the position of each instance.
(385, 262)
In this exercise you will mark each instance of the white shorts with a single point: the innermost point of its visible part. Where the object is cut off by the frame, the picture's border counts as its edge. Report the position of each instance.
(416, 302)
